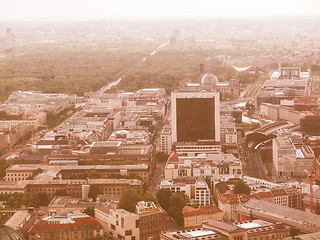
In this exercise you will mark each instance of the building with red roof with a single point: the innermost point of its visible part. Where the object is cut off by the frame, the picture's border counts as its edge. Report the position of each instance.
(231, 203)
(195, 216)
(78, 226)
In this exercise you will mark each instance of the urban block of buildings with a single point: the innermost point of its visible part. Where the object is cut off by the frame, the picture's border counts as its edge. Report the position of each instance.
(146, 222)
(287, 83)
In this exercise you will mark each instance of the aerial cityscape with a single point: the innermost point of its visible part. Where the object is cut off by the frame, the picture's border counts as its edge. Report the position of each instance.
(159, 120)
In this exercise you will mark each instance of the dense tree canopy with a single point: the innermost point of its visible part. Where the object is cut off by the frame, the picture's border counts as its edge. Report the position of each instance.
(163, 196)
(93, 192)
(4, 164)
(170, 65)
(72, 69)
(129, 198)
(90, 211)
(178, 200)
(172, 203)
(18, 200)
(162, 157)
(241, 187)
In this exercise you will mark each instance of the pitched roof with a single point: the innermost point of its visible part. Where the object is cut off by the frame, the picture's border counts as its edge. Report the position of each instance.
(173, 157)
(202, 210)
(234, 198)
(261, 195)
(278, 192)
(44, 226)
(222, 187)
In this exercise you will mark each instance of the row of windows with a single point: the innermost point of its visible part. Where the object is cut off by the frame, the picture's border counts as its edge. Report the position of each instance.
(68, 175)
(60, 235)
(150, 233)
(18, 174)
(17, 179)
(277, 236)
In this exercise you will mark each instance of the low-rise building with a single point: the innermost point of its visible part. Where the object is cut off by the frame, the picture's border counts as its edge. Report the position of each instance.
(231, 203)
(123, 225)
(22, 172)
(130, 136)
(214, 229)
(202, 165)
(193, 234)
(55, 102)
(228, 133)
(284, 195)
(190, 149)
(22, 220)
(290, 155)
(146, 222)
(75, 188)
(278, 112)
(194, 217)
(150, 220)
(139, 170)
(210, 82)
(306, 206)
(286, 83)
(303, 221)
(250, 230)
(65, 204)
(196, 189)
(71, 226)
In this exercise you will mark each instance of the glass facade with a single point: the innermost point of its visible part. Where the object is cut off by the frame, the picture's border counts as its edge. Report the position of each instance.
(195, 119)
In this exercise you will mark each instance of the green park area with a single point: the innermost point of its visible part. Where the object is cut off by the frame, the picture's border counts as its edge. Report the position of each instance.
(172, 64)
(68, 69)
(79, 69)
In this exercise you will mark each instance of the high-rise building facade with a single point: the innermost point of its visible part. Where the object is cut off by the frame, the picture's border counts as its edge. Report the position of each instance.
(195, 116)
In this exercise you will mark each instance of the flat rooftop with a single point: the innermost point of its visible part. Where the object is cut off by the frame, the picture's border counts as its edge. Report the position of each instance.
(18, 219)
(106, 167)
(284, 214)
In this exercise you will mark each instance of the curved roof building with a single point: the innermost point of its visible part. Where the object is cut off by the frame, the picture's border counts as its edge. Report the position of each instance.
(209, 79)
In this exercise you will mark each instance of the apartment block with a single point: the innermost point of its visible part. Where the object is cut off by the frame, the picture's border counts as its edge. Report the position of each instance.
(290, 155)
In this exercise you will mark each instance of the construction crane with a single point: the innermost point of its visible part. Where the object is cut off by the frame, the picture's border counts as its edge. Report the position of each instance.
(76, 138)
(312, 176)
(32, 130)
(10, 140)
(240, 208)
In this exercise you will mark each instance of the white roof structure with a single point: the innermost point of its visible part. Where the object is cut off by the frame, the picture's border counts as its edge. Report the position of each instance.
(241, 69)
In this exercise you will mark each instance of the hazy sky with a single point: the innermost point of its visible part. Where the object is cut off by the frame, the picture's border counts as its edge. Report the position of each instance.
(74, 10)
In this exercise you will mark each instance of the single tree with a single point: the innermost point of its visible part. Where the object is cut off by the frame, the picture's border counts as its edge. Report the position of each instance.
(163, 196)
(162, 157)
(177, 215)
(89, 211)
(93, 192)
(178, 200)
(241, 187)
(3, 166)
(43, 197)
(128, 200)
(249, 105)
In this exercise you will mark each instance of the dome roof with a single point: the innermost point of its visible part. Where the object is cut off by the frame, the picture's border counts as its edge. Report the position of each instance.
(7, 233)
(209, 79)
